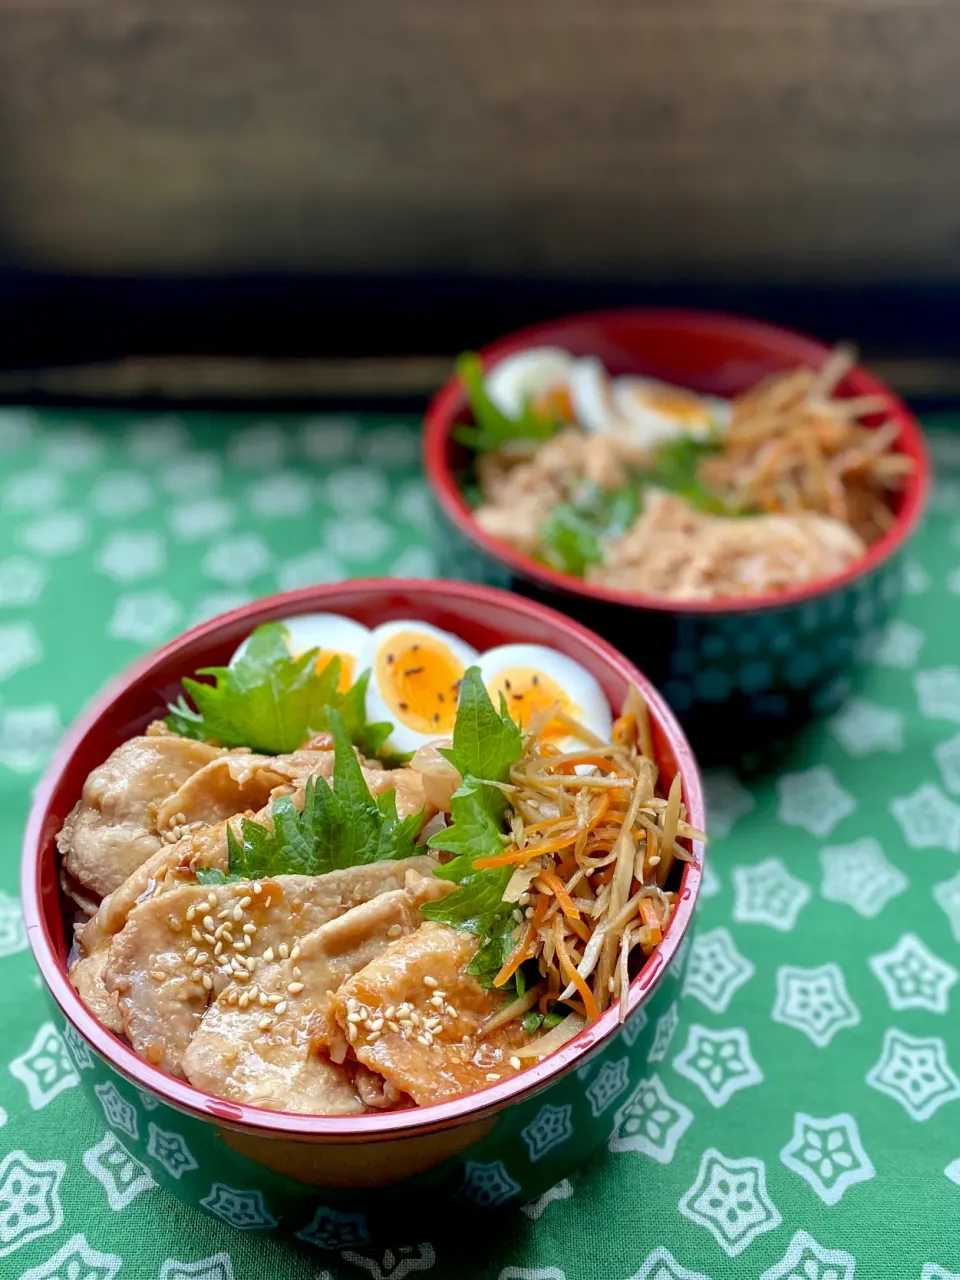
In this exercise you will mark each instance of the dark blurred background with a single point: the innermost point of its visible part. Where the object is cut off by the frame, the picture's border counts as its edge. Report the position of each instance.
(228, 178)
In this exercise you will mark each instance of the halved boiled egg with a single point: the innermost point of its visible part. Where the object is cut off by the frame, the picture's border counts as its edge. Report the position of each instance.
(333, 636)
(539, 377)
(533, 679)
(415, 678)
(648, 411)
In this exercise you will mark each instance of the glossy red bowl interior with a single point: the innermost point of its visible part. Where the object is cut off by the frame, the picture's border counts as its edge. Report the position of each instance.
(706, 351)
(482, 616)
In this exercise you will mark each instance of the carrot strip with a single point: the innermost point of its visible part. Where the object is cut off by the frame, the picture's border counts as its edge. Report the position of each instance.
(524, 948)
(557, 888)
(651, 919)
(601, 762)
(515, 857)
(625, 729)
(570, 972)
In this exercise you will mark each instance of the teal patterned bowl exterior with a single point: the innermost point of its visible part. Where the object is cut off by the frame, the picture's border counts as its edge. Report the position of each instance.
(349, 1182)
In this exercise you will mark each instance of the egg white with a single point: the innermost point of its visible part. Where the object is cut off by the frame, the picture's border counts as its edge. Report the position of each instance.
(381, 702)
(592, 399)
(639, 404)
(517, 379)
(327, 631)
(586, 701)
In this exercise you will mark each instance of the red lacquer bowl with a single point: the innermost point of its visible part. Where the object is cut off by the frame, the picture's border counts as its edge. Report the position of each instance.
(325, 1177)
(748, 666)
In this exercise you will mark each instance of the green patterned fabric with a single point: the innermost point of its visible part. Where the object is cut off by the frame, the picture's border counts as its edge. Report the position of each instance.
(800, 1116)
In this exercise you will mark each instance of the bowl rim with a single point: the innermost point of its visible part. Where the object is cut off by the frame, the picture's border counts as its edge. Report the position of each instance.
(450, 399)
(183, 1096)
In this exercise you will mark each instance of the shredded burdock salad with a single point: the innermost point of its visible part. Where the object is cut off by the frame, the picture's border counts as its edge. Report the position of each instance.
(295, 924)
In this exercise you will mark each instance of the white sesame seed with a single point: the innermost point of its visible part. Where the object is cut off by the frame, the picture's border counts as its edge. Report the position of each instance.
(241, 944)
(284, 950)
(250, 963)
(524, 900)
(437, 1001)
(268, 955)
(373, 1037)
(238, 912)
(355, 1017)
(207, 982)
(515, 1063)
(281, 1007)
(157, 975)
(195, 975)
(202, 957)
(295, 951)
(263, 998)
(208, 923)
(428, 1037)
(492, 1075)
(265, 1023)
(422, 1039)
(518, 915)
(209, 939)
(191, 955)
(294, 988)
(217, 950)
(175, 925)
(195, 934)
(244, 1000)
(389, 1011)
(393, 1026)
(191, 912)
(352, 1032)
(212, 901)
(257, 887)
(296, 973)
(249, 928)
(451, 1011)
(245, 901)
(395, 931)
(267, 900)
(351, 1002)
(528, 914)
(406, 1024)
(377, 1024)
(225, 914)
(433, 1024)
(430, 982)
(441, 994)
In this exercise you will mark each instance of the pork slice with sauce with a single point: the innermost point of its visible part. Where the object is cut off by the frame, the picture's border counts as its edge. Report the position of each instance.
(419, 1016)
(264, 1043)
(164, 965)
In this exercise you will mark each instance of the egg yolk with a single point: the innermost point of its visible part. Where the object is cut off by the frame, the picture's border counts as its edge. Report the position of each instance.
(674, 404)
(528, 693)
(419, 679)
(554, 403)
(347, 665)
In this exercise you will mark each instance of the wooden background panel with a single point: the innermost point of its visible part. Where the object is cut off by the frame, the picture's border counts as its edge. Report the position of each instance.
(657, 139)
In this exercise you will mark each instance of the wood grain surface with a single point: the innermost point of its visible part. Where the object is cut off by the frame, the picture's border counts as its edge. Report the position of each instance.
(751, 139)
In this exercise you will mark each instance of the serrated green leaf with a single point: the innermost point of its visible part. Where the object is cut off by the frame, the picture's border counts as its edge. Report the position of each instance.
(494, 428)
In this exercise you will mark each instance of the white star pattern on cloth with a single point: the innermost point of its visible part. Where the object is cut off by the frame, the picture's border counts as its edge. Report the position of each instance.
(664, 1033)
(243, 1210)
(859, 875)
(217, 1267)
(952, 1171)
(933, 1271)
(915, 1072)
(21, 582)
(718, 1062)
(330, 1229)
(650, 1122)
(536, 1208)
(55, 535)
(864, 728)
(729, 1198)
(170, 1150)
(29, 1200)
(76, 1261)
(145, 617)
(548, 1129)
(129, 557)
(414, 504)
(17, 428)
(928, 819)
(122, 1177)
(532, 1273)
(946, 894)
(608, 1084)
(119, 494)
(44, 1069)
(415, 562)
(395, 445)
(727, 800)
(156, 439)
(13, 932)
(395, 1263)
(191, 475)
(710, 882)
(261, 447)
(120, 1114)
(488, 1185)
(947, 756)
(828, 1154)
(357, 538)
(815, 1001)
(900, 646)
(916, 580)
(662, 1265)
(807, 1260)
(356, 489)
(767, 893)
(237, 559)
(195, 519)
(716, 970)
(216, 602)
(282, 495)
(938, 693)
(28, 736)
(77, 1048)
(913, 977)
(813, 799)
(19, 648)
(635, 1023)
(309, 568)
(328, 439)
(32, 491)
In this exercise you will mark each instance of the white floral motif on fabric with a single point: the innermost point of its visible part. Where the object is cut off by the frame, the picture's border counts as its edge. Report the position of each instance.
(767, 893)
(535, 1209)
(814, 1001)
(814, 800)
(718, 1062)
(260, 447)
(550, 1127)
(32, 491)
(20, 648)
(488, 1185)
(77, 1048)
(414, 504)
(170, 1150)
(729, 1198)
(928, 819)
(145, 617)
(933, 1271)
(415, 562)
(309, 568)
(946, 894)
(863, 728)
(44, 1069)
(916, 580)
(608, 1084)
(328, 438)
(828, 1154)
(353, 538)
(356, 489)
(727, 801)
(21, 582)
(213, 603)
(331, 1229)
(217, 1267)
(29, 1200)
(807, 1260)
(860, 876)
(716, 970)
(120, 1114)
(196, 519)
(17, 428)
(132, 556)
(76, 1261)
(947, 756)
(651, 1122)
(634, 1024)
(913, 977)
(395, 445)
(662, 1265)
(243, 1210)
(237, 558)
(952, 1171)
(54, 535)
(119, 494)
(664, 1033)
(914, 1071)
(900, 645)
(710, 882)
(938, 693)
(13, 932)
(157, 439)
(532, 1273)
(395, 1263)
(28, 736)
(191, 474)
(284, 495)
(122, 1177)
